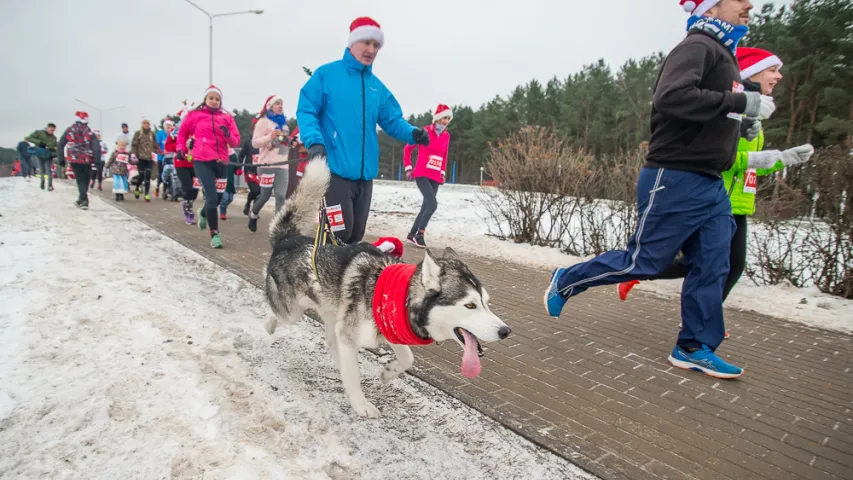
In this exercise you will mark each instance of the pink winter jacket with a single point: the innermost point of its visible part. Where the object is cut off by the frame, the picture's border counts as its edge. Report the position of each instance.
(261, 140)
(432, 160)
(210, 143)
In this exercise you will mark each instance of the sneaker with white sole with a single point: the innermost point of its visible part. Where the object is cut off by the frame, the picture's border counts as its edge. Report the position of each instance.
(704, 360)
(553, 299)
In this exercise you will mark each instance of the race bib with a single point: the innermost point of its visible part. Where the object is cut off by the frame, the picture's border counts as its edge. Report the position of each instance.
(434, 162)
(121, 157)
(221, 183)
(336, 218)
(153, 156)
(750, 182)
(255, 158)
(736, 88)
(196, 183)
(267, 180)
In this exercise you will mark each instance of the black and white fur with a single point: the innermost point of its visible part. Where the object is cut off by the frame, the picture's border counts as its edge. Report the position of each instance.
(444, 295)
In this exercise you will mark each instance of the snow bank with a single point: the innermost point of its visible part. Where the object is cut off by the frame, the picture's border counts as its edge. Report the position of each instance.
(126, 355)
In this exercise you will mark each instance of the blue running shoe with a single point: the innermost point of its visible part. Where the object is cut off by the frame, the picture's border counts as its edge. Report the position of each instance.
(553, 300)
(704, 361)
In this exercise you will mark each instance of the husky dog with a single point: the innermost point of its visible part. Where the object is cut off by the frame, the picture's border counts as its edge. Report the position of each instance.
(445, 301)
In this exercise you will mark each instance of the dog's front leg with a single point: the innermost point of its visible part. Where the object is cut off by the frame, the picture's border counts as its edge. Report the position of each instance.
(350, 376)
(403, 361)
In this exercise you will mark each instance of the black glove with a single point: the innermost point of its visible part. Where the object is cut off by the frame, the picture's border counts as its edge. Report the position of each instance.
(42, 145)
(190, 144)
(421, 136)
(225, 131)
(749, 128)
(181, 155)
(315, 151)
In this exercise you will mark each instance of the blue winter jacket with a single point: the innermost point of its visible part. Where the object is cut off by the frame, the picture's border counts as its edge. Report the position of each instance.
(339, 108)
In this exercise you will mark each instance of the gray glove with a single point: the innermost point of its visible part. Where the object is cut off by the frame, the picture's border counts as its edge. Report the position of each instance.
(763, 159)
(750, 128)
(316, 150)
(758, 105)
(797, 155)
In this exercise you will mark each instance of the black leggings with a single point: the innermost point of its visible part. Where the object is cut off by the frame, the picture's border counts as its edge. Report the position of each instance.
(737, 260)
(254, 193)
(208, 173)
(429, 189)
(145, 167)
(186, 175)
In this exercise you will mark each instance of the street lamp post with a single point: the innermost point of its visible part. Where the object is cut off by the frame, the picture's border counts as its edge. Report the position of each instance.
(210, 17)
(100, 111)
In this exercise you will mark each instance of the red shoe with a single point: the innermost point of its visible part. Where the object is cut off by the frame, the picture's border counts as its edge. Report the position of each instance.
(626, 287)
(222, 216)
(726, 335)
(157, 193)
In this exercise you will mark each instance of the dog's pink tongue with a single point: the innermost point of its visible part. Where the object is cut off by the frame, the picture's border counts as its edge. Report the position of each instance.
(470, 360)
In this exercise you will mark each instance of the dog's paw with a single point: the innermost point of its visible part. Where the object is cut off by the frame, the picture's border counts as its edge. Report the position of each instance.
(390, 372)
(366, 410)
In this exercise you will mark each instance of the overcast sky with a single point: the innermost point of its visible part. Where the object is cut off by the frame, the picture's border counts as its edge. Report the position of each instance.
(150, 54)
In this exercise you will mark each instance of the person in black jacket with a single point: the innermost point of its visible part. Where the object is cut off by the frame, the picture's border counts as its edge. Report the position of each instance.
(699, 103)
(248, 155)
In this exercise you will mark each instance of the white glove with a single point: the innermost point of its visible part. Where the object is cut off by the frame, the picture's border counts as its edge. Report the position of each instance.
(797, 155)
(760, 106)
(763, 159)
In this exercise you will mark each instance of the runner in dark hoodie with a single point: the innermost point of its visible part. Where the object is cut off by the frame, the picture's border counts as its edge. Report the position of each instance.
(683, 206)
(249, 156)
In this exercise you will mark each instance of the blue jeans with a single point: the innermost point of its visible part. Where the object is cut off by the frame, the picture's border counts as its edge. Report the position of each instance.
(227, 198)
(679, 211)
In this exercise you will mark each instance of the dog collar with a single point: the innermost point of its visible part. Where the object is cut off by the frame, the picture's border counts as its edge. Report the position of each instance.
(391, 305)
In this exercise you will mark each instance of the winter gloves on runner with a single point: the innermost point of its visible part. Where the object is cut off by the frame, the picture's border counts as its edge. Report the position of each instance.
(790, 157)
(750, 128)
(421, 136)
(759, 106)
(224, 131)
(797, 155)
(764, 159)
(317, 150)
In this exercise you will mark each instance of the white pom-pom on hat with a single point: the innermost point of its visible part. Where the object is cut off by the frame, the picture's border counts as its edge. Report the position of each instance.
(689, 6)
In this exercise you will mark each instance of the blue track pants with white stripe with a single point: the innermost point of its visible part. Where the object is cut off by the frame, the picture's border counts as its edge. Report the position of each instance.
(678, 211)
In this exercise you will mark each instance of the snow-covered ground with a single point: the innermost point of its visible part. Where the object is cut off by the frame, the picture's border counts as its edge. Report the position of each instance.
(125, 355)
(459, 222)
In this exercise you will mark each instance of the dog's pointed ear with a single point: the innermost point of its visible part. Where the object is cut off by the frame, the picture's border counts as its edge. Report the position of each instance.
(430, 272)
(450, 254)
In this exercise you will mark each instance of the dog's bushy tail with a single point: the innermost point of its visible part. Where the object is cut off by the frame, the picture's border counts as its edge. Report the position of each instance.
(300, 212)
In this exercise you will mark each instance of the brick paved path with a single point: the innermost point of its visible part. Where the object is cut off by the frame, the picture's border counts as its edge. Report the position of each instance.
(595, 387)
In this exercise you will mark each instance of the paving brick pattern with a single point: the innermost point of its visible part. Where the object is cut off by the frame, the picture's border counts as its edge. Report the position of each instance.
(595, 387)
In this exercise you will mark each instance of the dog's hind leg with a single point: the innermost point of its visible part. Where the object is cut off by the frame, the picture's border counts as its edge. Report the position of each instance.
(403, 361)
(332, 341)
(350, 376)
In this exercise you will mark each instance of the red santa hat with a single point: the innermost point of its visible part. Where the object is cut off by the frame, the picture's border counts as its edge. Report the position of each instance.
(442, 111)
(365, 28)
(267, 105)
(755, 60)
(698, 8)
(81, 117)
(214, 89)
(390, 245)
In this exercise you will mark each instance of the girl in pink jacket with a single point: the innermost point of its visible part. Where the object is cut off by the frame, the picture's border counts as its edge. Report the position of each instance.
(213, 131)
(271, 138)
(430, 170)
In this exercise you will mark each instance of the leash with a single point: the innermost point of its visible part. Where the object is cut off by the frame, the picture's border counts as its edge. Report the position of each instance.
(324, 234)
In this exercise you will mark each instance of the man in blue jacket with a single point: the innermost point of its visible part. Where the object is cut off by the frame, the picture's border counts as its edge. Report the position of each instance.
(339, 109)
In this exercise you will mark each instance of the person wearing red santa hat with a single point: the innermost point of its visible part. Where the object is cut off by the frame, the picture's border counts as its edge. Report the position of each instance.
(213, 130)
(697, 109)
(84, 149)
(430, 170)
(270, 137)
(760, 71)
(339, 109)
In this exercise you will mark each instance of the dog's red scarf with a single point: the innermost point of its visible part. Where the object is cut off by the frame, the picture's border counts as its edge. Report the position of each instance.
(390, 305)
